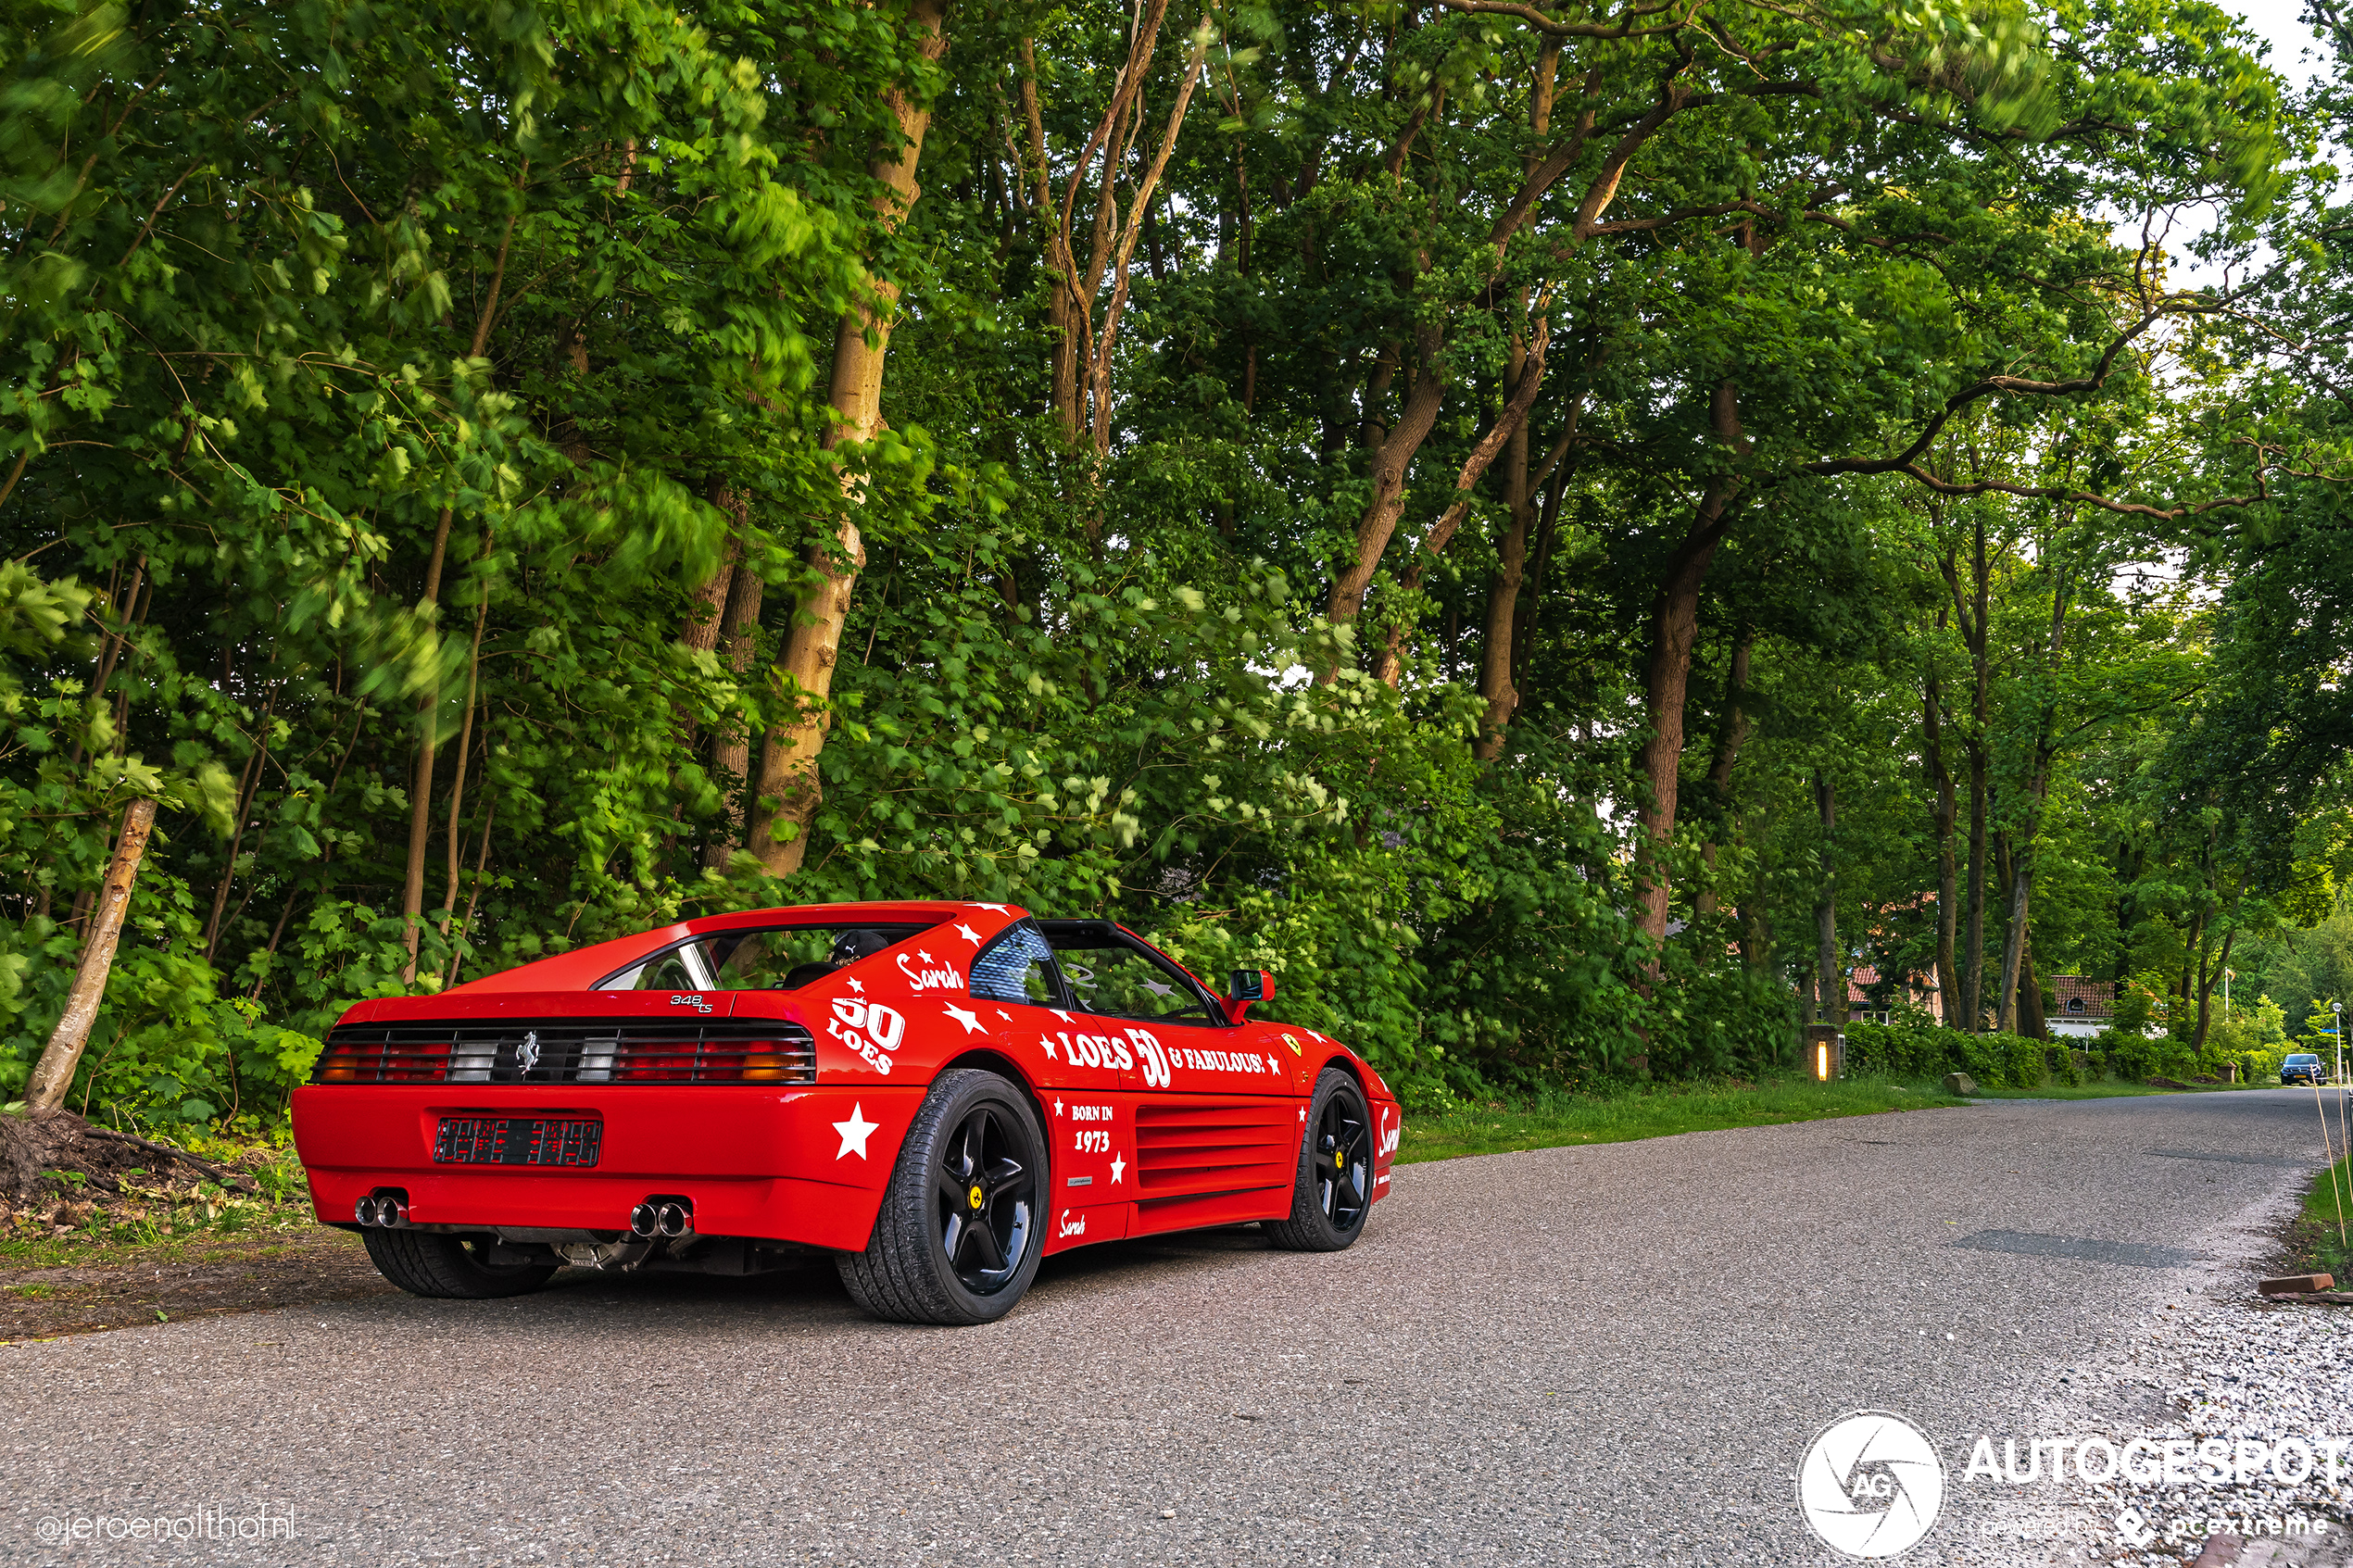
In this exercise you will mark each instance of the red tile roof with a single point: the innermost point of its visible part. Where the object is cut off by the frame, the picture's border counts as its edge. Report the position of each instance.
(2079, 998)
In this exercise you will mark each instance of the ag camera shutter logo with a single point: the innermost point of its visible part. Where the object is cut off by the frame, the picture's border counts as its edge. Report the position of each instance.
(1870, 1485)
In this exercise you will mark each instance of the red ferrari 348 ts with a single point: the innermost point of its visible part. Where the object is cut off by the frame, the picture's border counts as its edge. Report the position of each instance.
(938, 1094)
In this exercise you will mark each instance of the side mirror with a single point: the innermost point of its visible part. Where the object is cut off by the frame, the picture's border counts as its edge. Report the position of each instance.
(1248, 985)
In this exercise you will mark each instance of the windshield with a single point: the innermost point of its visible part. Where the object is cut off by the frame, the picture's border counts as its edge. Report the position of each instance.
(770, 957)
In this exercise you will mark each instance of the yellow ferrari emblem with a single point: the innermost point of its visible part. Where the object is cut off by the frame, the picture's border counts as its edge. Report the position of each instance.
(1339, 1157)
(1292, 1041)
(975, 1198)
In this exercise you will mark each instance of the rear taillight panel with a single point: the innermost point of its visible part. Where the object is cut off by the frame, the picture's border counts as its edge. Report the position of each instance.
(620, 1051)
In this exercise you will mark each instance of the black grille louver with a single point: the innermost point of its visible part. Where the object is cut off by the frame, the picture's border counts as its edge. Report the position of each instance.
(618, 1052)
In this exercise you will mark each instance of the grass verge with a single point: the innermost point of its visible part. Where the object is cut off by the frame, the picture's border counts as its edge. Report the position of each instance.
(2315, 1240)
(2107, 1089)
(1622, 1115)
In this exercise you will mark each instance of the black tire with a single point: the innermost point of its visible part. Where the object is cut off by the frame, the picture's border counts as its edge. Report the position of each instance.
(449, 1267)
(963, 1222)
(1335, 1188)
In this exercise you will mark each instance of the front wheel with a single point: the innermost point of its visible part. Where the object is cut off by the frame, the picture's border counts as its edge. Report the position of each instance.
(437, 1265)
(961, 1227)
(1335, 1187)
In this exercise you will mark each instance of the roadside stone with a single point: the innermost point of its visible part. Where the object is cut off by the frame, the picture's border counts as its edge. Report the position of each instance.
(1959, 1084)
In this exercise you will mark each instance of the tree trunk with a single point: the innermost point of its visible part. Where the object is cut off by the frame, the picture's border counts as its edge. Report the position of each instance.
(2129, 862)
(1674, 629)
(412, 893)
(2208, 974)
(2030, 1020)
(1973, 629)
(1391, 466)
(1830, 979)
(1510, 420)
(1943, 814)
(248, 789)
(465, 741)
(1503, 597)
(731, 747)
(1528, 616)
(52, 1074)
(789, 788)
(1731, 733)
(2014, 942)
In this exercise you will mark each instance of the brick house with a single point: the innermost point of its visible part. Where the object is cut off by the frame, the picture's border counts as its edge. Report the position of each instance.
(2080, 1008)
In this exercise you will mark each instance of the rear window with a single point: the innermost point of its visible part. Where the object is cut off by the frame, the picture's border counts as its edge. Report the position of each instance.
(764, 958)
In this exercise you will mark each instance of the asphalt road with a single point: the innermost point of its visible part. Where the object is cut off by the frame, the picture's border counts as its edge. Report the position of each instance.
(1611, 1354)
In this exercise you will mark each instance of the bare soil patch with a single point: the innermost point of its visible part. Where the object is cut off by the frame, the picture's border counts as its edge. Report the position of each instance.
(125, 1287)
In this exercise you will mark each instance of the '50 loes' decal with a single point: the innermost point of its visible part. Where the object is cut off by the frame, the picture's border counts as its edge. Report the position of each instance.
(884, 1025)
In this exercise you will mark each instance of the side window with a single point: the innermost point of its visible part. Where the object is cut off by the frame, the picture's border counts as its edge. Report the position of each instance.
(1014, 968)
(667, 972)
(1110, 975)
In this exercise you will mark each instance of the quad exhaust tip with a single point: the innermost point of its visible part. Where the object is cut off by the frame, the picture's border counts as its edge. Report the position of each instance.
(667, 1217)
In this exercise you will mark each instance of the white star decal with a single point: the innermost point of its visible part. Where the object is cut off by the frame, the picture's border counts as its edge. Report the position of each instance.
(1303, 1113)
(854, 1132)
(967, 932)
(1003, 1014)
(993, 908)
(922, 956)
(1046, 1041)
(1058, 1108)
(1157, 989)
(1059, 1013)
(859, 986)
(1275, 1066)
(970, 1020)
(1118, 1164)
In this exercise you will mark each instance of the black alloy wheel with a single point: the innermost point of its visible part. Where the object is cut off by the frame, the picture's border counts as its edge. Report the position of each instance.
(987, 1200)
(1335, 1185)
(961, 1228)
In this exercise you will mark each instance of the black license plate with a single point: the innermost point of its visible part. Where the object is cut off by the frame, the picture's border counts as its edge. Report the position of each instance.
(517, 1140)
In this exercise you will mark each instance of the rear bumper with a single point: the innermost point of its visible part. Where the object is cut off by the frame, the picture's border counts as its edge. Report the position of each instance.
(755, 1162)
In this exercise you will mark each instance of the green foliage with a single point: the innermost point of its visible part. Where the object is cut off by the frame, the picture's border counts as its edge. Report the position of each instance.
(383, 372)
(1995, 1061)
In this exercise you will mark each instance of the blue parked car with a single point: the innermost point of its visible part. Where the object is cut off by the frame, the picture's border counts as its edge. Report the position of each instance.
(2301, 1068)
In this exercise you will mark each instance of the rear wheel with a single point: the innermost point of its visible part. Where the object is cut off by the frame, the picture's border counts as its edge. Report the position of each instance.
(450, 1267)
(1335, 1187)
(960, 1233)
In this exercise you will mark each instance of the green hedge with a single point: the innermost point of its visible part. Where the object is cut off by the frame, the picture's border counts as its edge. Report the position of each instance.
(1996, 1061)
